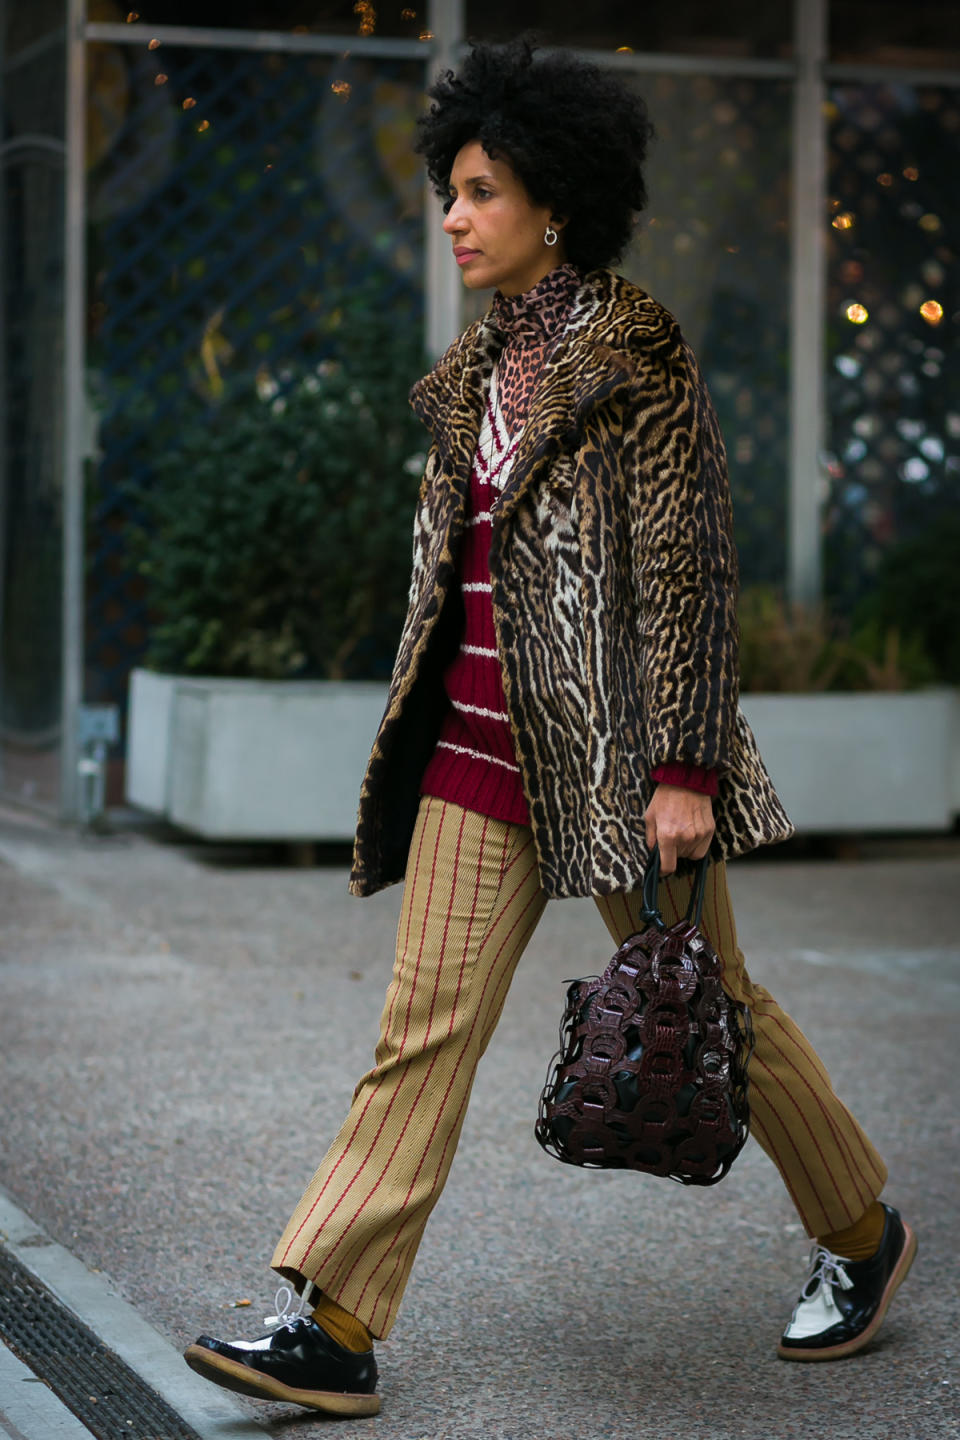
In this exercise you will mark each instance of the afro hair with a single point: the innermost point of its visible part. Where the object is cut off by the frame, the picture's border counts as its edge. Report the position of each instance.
(573, 133)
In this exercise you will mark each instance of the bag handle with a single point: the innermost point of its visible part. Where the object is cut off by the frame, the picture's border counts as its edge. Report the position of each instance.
(651, 882)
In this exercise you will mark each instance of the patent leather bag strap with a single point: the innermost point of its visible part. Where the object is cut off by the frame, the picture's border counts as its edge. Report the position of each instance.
(651, 883)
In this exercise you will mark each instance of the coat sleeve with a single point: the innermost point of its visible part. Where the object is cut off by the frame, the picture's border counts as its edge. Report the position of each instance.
(684, 564)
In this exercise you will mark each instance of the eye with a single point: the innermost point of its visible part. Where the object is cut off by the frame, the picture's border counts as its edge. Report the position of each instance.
(448, 205)
(482, 193)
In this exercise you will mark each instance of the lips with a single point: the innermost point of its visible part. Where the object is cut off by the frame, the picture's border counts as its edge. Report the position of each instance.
(463, 253)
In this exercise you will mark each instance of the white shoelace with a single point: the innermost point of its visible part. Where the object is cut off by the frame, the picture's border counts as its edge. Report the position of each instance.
(826, 1271)
(288, 1313)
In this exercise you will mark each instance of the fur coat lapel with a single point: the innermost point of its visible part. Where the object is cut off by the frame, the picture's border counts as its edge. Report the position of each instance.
(591, 363)
(614, 584)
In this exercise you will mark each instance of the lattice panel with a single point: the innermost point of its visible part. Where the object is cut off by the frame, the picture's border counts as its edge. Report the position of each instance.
(894, 307)
(714, 248)
(235, 206)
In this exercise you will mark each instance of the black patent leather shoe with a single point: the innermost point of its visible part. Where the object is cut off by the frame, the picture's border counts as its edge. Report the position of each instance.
(843, 1302)
(298, 1363)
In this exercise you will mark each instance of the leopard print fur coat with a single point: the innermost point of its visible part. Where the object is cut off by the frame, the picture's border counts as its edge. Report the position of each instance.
(614, 580)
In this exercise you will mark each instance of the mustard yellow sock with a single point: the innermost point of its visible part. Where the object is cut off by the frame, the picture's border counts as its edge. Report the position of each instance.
(341, 1326)
(859, 1241)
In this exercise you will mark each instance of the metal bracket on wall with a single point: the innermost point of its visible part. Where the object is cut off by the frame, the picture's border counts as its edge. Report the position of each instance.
(98, 726)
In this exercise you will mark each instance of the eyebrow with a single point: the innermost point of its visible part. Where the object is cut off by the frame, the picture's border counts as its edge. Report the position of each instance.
(475, 178)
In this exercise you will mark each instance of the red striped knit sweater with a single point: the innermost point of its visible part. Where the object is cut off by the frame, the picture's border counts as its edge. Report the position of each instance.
(474, 764)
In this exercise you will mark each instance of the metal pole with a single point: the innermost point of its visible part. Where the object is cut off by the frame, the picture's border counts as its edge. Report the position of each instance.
(807, 303)
(857, 74)
(273, 41)
(443, 287)
(645, 62)
(3, 383)
(73, 390)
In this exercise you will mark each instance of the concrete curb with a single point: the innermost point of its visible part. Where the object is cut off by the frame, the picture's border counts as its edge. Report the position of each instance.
(29, 1410)
(92, 1298)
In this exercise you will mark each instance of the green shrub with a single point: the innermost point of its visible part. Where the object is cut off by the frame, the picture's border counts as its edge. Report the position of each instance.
(788, 648)
(917, 589)
(783, 647)
(274, 535)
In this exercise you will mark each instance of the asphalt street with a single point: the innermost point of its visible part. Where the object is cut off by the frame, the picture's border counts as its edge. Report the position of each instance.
(181, 1027)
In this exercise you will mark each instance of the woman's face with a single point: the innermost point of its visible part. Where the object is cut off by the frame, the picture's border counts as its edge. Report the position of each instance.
(496, 229)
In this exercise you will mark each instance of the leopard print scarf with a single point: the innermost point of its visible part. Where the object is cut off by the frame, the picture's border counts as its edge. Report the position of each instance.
(532, 323)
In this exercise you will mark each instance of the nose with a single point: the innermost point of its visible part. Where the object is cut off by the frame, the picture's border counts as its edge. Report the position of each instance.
(452, 222)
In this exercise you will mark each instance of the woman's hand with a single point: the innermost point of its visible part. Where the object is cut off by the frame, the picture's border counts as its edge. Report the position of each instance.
(680, 821)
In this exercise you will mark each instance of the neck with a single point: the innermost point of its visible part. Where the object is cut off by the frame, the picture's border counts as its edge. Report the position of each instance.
(512, 288)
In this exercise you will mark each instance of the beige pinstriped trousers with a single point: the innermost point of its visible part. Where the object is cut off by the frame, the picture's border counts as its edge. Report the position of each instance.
(471, 901)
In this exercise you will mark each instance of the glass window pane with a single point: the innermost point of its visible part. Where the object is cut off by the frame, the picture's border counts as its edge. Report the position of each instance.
(887, 32)
(687, 27)
(315, 17)
(714, 248)
(894, 305)
(237, 211)
(31, 401)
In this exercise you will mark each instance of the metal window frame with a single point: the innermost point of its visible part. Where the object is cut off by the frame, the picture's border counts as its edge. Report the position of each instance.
(808, 279)
(809, 72)
(5, 66)
(209, 37)
(74, 391)
(807, 254)
(444, 289)
(843, 73)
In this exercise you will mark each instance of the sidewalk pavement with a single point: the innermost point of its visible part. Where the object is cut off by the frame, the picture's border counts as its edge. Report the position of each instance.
(101, 1368)
(28, 1409)
(181, 1027)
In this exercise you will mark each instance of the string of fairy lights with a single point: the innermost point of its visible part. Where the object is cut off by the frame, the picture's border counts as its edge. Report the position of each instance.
(366, 13)
(930, 309)
(843, 220)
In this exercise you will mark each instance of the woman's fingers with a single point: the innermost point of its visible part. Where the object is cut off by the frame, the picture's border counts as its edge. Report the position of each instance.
(668, 855)
(680, 822)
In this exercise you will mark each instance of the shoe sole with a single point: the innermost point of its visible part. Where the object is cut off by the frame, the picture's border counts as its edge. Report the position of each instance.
(850, 1347)
(231, 1375)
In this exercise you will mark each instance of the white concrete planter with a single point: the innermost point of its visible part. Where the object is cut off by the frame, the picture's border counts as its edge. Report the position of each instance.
(251, 759)
(149, 719)
(862, 762)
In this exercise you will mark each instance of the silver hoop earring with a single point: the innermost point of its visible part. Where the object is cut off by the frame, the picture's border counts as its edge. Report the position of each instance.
(551, 236)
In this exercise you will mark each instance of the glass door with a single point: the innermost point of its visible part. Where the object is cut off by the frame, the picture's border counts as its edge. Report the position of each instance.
(32, 85)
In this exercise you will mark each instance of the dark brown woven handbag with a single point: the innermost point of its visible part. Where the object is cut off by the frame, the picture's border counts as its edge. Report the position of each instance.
(651, 1073)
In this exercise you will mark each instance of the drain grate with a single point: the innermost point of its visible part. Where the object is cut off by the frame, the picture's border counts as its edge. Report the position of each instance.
(104, 1393)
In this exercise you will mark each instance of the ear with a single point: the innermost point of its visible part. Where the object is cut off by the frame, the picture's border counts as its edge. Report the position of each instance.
(559, 222)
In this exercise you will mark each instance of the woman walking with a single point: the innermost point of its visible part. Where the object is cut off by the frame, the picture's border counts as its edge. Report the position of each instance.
(564, 697)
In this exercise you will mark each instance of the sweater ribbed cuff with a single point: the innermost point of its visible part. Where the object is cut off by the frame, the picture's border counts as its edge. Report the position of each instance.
(690, 777)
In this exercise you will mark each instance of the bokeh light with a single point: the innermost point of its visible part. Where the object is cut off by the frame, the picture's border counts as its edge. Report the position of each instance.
(932, 311)
(857, 314)
(368, 16)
